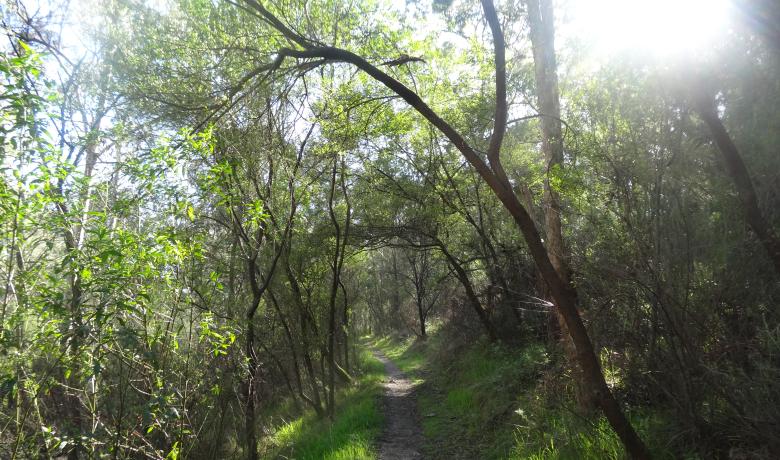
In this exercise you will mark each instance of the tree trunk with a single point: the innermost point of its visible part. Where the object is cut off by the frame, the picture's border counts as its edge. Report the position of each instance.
(331, 401)
(337, 266)
(471, 295)
(541, 22)
(345, 311)
(73, 382)
(304, 321)
(395, 297)
(291, 343)
(345, 326)
(250, 427)
(421, 315)
(736, 168)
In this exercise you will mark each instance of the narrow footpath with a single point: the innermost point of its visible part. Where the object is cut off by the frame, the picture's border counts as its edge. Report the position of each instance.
(401, 437)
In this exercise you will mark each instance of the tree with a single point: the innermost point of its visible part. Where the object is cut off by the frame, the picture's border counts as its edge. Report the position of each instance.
(735, 166)
(541, 21)
(492, 172)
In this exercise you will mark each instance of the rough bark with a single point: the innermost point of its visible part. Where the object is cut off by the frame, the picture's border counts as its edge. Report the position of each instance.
(541, 22)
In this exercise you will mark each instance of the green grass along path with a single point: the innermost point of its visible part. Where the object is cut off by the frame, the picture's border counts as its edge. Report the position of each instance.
(436, 401)
(487, 401)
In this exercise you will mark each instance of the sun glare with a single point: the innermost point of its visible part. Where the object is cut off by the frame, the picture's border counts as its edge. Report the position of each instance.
(657, 27)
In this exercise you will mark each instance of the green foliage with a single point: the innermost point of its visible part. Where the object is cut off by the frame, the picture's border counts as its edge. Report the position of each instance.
(167, 195)
(219, 338)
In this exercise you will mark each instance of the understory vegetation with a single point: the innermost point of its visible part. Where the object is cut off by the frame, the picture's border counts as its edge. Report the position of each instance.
(534, 416)
(212, 211)
(297, 433)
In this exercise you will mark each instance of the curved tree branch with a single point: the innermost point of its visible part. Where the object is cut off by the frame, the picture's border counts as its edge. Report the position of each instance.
(500, 117)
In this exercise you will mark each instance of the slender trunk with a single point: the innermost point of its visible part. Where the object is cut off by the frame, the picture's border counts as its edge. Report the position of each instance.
(541, 22)
(293, 349)
(283, 372)
(345, 311)
(259, 285)
(395, 297)
(309, 366)
(250, 427)
(478, 224)
(74, 235)
(337, 265)
(421, 315)
(471, 295)
(71, 377)
(739, 174)
(332, 305)
(418, 279)
(303, 318)
(250, 385)
(345, 326)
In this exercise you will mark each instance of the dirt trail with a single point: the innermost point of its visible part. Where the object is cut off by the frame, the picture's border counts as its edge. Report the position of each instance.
(401, 437)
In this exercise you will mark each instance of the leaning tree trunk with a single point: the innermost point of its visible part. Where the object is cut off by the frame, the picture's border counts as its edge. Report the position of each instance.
(739, 174)
(471, 294)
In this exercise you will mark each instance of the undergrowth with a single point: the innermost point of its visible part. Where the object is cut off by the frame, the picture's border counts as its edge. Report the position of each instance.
(489, 401)
(351, 435)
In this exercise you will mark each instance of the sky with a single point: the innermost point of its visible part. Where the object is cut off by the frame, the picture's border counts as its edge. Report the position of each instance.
(660, 28)
(663, 28)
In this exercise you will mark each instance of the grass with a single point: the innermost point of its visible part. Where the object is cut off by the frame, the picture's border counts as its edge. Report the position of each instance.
(489, 401)
(559, 434)
(467, 397)
(357, 422)
(407, 354)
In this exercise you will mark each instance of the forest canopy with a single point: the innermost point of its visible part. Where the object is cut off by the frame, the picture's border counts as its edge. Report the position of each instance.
(283, 229)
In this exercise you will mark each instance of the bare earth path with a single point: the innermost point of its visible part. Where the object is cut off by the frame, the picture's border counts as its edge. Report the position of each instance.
(401, 437)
